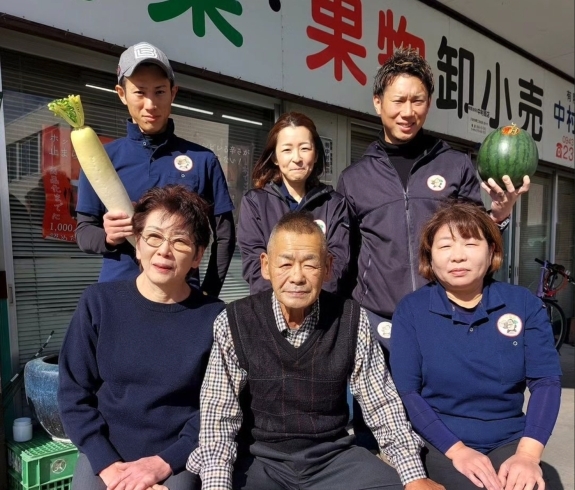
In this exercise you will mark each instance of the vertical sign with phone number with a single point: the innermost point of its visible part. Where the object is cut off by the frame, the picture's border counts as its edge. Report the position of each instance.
(565, 118)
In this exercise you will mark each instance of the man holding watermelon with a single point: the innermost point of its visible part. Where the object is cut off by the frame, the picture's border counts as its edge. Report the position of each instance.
(399, 183)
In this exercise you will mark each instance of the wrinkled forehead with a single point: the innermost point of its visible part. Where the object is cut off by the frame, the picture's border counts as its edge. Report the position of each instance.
(285, 243)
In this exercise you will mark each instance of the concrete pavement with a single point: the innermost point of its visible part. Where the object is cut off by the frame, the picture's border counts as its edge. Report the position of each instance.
(559, 455)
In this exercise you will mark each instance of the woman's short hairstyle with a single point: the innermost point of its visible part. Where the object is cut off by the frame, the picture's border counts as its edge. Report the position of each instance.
(470, 221)
(266, 170)
(175, 200)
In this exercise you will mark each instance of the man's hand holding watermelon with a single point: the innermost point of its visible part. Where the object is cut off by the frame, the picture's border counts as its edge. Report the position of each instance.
(503, 199)
(507, 158)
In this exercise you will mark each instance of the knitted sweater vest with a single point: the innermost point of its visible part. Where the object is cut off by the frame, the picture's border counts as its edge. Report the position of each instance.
(295, 397)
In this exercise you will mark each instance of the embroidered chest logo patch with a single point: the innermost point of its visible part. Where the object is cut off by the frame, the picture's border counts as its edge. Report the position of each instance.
(321, 225)
(384, 330)
(509, 325)
(183, 163)
(436, 183)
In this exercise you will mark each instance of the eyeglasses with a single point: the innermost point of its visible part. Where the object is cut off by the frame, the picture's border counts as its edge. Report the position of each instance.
(180, 244)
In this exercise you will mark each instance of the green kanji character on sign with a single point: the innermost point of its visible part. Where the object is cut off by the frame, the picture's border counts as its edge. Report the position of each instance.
(170, 9)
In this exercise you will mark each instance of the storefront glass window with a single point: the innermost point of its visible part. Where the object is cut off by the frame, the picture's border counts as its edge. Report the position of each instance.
(565, 239)
(534, 230)
(50, 270)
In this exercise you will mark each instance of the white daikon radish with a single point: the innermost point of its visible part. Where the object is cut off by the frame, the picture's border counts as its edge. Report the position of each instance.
(93, 158)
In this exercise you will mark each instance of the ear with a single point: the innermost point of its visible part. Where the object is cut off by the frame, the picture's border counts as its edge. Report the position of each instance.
(138, 245)
(264, 265)
(174, 92)
(377, 104)
(121, 93)
(198, 257)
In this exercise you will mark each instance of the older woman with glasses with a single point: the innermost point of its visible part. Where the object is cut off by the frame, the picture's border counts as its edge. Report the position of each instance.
(135, 353)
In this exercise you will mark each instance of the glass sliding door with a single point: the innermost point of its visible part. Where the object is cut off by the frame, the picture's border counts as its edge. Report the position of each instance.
(533, 235)
(565, 239)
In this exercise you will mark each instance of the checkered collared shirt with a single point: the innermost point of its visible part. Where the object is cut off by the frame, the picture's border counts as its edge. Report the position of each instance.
(295, 336)
(370, 383)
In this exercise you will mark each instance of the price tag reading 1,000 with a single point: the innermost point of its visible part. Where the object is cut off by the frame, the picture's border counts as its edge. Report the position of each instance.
(61, 226)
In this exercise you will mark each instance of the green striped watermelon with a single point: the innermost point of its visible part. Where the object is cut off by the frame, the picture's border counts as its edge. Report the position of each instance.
(507, 151)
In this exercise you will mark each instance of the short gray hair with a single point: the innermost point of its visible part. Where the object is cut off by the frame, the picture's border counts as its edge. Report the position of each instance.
(302, 223)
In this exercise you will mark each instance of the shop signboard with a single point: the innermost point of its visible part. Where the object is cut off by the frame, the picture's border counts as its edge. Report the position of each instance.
(329, 50)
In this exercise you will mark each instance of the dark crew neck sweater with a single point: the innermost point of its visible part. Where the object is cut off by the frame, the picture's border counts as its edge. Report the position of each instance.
(130, 374)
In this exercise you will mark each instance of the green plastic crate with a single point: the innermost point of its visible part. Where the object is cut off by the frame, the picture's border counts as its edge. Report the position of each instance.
(15, 484)
(41, 464)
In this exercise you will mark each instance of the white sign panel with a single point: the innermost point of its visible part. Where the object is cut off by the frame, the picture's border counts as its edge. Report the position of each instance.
(329, 50)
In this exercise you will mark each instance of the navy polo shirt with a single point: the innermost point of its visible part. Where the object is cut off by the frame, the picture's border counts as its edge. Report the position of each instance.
(472, 369)
(141, 167)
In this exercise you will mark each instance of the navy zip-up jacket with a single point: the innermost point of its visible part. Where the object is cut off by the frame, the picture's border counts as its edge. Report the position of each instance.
(141, 166)
(387, 219)
(260, 211)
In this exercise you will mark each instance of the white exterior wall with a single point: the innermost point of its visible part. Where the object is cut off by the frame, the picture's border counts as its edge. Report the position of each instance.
(282, 50)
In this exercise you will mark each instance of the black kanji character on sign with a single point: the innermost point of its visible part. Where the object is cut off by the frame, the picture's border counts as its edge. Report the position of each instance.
(533, 98)
(494, 121)
(559, 113)
(447, 86)
(570, 120)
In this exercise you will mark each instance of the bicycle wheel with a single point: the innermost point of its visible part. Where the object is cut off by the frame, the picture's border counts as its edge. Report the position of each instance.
(558, 322)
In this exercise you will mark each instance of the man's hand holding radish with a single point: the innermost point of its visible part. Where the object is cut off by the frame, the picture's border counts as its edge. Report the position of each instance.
(118, 226)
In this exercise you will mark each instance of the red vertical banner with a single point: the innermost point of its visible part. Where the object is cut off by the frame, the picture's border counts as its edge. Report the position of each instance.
(60, 174)
(59, 221)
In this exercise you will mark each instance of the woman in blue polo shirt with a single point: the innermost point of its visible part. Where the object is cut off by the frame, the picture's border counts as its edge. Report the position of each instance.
(286, 178)
(463, 350)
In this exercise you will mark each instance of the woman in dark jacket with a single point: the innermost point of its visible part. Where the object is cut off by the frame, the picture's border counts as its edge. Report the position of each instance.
(286, 178)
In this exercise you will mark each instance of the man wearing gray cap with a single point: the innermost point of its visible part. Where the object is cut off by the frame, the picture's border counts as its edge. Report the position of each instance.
(152, 155)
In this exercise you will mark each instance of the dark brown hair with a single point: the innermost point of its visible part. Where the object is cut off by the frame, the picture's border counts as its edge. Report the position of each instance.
(405, 61)
(470, 221)
(302, 223)
(266, 170)
(175, 200)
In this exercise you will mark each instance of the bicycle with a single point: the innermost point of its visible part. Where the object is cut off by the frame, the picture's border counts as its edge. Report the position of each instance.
(547, 290)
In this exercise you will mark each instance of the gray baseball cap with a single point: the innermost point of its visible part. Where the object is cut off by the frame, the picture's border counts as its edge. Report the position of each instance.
(142, 53)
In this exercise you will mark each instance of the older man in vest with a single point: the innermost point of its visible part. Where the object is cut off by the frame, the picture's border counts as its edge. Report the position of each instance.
(273, 403)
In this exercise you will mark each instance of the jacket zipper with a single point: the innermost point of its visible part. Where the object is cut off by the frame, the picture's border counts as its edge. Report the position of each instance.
(408, 215)
(409, 241)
